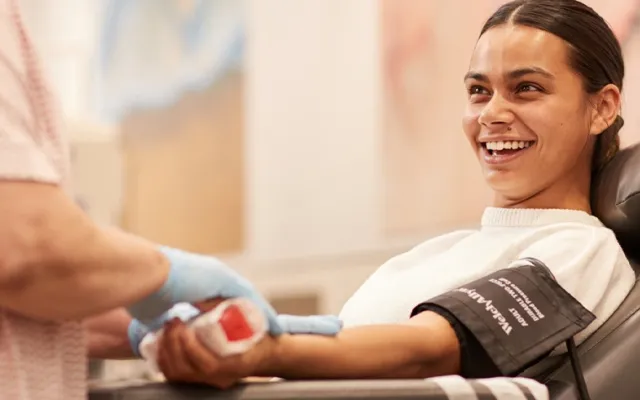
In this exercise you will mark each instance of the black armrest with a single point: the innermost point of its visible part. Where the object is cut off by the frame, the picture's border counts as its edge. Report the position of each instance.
(334, 390)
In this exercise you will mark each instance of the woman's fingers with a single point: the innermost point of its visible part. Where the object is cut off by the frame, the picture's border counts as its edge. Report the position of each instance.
(171, 357)
(203, 360)
(211, 369)
(182, 357)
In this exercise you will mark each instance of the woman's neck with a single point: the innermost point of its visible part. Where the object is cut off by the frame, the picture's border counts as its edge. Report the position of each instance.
(542, 201)
(571, 193)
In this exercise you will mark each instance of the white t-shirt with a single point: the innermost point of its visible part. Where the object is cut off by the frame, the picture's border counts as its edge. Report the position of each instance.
(584, 256)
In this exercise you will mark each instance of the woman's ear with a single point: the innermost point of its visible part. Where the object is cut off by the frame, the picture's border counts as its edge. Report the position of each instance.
(605, 108)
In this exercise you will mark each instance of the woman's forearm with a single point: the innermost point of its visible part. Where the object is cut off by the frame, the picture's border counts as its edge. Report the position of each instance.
(56, 264)
(427, 346)
(107, 335)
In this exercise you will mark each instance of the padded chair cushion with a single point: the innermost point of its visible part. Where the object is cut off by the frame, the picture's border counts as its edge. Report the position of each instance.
(610, 358)
(616, 199)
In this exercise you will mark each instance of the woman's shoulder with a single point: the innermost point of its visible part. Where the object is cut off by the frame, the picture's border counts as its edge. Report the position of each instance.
(553, 230)
(575, 244)
(569, 234)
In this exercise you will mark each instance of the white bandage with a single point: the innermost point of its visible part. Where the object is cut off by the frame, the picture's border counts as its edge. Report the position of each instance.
(231, 328)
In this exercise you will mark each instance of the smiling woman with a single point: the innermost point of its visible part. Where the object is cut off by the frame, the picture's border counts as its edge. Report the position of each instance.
(543, 97)
(564, 101)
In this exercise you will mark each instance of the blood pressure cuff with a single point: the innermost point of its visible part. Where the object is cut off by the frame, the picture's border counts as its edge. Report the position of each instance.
(509, 320)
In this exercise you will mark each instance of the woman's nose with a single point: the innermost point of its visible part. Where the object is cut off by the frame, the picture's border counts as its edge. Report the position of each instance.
(496, 114)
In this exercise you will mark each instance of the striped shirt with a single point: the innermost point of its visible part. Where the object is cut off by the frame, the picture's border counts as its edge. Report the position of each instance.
(38, 360)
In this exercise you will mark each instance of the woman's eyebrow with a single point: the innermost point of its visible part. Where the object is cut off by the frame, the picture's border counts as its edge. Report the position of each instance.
(520, 72)
(514, 74)
(477, 76)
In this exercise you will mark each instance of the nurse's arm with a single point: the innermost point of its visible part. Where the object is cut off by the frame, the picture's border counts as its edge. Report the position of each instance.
(57, 264)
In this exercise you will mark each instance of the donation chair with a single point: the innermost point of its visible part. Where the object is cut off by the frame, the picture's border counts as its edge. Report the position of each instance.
(610, 358)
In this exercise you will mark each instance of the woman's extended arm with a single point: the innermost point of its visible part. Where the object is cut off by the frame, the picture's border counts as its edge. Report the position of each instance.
(425, 346)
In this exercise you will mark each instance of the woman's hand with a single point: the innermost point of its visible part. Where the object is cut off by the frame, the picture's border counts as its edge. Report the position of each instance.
(183, 358)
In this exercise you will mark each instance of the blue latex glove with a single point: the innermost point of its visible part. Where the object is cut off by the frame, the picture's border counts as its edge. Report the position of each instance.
(194, 277)
(289, 323)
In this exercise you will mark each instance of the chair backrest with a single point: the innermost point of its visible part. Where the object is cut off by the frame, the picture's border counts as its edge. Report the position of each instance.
(616, 199)
(610, 358)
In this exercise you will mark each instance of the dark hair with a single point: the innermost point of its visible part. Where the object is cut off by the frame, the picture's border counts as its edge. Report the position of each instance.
(594, 51)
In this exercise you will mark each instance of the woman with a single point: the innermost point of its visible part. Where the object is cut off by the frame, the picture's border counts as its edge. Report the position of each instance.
(543, 107)
(57, 267)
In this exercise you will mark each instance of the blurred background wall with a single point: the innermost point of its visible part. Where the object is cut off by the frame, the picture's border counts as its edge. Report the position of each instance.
(305, 142)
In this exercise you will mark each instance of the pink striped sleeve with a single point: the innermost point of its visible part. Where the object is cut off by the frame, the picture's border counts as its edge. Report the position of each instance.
(27, 150)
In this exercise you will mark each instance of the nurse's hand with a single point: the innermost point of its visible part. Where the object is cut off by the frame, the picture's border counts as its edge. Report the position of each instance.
(194, 278)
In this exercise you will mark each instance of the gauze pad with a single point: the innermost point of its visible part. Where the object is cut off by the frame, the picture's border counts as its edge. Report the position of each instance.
(233, 327)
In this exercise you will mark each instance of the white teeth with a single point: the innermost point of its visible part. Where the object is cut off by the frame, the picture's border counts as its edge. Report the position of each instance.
(509, 145)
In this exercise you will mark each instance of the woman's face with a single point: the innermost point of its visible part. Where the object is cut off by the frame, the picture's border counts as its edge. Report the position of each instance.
(527, 115)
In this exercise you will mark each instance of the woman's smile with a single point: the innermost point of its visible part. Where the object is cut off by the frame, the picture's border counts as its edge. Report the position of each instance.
(501, 152)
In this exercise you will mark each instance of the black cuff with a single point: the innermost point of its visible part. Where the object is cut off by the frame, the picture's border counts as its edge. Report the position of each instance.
(510, 319)
(475, 362)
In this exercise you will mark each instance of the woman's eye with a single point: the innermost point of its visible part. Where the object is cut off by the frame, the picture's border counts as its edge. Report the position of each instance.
(528, 87)
(478, 90)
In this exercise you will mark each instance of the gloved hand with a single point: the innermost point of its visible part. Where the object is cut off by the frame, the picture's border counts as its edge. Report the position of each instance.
(315, 324)
(194, 277)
